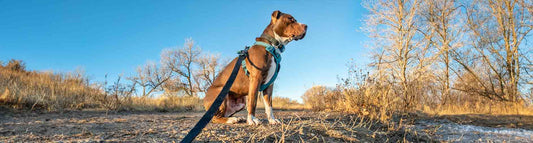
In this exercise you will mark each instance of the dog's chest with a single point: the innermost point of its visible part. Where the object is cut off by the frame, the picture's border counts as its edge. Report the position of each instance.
(271, 70)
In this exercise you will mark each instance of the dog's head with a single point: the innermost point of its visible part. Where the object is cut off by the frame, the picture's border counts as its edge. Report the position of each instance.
(286, 28)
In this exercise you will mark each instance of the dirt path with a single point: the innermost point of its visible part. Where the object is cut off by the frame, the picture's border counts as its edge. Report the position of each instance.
(96, 126)
(167, 127)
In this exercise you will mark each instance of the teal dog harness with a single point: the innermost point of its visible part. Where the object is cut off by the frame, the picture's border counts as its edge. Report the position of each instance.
(276, 53)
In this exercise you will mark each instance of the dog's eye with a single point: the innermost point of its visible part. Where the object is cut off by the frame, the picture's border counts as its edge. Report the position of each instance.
(291, 19)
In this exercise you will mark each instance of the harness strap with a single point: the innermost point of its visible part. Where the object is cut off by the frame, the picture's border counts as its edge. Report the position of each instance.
(206, 118)
(276, 53)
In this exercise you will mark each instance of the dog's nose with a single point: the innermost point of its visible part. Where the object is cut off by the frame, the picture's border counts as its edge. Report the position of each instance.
(305, 26)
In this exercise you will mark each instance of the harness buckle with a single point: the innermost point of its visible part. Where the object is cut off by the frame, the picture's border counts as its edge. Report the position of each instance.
(244, 52)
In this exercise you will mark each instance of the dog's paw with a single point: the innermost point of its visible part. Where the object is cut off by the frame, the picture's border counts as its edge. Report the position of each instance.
(274, 121)
(253, 121)
(233, 120)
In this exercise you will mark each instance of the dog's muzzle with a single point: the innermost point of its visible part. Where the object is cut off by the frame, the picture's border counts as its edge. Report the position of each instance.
(301, 36)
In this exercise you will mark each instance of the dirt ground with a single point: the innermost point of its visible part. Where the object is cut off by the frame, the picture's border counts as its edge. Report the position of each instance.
(497, 121)
(97, 126)
(298, 126)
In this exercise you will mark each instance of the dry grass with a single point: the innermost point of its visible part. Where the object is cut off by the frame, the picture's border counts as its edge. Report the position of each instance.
(372, 102)
(44, 90)
(33, 90)
(490, 108)
(366, 94)
(314, 127)
(377, 102)
(165, 103)
(56, 92)
(282, 103)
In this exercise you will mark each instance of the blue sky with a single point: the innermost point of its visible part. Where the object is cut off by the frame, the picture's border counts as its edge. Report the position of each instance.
(114, 37)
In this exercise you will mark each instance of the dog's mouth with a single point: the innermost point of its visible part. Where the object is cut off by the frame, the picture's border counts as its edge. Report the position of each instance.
(302, 35)
(298, 37)
(290, 37)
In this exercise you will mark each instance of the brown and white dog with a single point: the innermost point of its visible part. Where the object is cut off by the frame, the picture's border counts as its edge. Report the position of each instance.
(283, 28)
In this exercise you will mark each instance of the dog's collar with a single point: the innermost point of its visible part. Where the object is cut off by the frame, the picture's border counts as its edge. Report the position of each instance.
(275, 52)
(273, 42)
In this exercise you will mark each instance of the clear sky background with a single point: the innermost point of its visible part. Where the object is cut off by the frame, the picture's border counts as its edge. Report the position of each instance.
(114, 37)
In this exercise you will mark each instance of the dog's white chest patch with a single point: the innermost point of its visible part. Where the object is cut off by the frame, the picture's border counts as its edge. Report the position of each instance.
(271, 70)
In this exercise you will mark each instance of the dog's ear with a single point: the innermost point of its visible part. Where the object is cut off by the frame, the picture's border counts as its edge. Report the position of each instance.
(275, 16)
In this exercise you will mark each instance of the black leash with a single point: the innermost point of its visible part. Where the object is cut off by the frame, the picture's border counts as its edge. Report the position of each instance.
(197, 129)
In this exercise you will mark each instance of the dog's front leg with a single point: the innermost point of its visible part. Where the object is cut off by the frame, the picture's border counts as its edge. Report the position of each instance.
(267, 100)
(255, 82)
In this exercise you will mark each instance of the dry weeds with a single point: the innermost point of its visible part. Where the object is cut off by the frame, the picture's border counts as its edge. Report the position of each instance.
(95, 126)
(44, 90)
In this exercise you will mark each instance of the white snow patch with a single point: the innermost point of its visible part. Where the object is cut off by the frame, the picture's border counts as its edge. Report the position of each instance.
(454, 132)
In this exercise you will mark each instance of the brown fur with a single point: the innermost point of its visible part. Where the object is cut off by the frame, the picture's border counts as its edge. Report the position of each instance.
(246, 87)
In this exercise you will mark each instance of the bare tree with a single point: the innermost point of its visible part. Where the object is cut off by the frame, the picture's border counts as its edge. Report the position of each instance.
(497, 29)
(181, 62)
(442, 17)
(399, 46)
(150, 77)
(173, 86)
(209, 66)
(114, 93)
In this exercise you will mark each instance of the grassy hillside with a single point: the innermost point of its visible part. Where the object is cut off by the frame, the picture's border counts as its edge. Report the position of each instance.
(22, 89)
